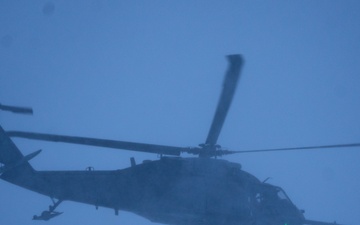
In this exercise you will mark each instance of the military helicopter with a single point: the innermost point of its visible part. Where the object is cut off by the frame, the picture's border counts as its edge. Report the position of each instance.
(171, 190)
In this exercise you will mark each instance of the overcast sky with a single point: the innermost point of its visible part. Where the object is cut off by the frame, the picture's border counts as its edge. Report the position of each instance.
(151, 71)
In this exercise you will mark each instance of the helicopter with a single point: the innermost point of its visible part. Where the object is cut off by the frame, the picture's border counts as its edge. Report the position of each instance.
(171, 190)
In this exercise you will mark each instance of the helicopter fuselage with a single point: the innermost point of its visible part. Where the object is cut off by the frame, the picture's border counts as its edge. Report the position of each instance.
(206, 191)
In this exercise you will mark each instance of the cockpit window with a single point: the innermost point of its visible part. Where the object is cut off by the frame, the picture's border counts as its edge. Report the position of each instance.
(271, 194)
(282, 195)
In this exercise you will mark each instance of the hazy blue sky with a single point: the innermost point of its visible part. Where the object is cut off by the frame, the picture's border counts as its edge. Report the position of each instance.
(151, 71)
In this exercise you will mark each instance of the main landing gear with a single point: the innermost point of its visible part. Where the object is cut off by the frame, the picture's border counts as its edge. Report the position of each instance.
(49, 214)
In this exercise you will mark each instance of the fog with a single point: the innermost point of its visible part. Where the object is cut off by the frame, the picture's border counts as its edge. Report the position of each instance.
(151, 72)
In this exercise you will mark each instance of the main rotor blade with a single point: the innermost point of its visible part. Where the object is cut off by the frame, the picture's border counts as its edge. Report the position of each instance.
(16, 109)
(313, 222)
(140, 147)
(229, 86)
(299, 148)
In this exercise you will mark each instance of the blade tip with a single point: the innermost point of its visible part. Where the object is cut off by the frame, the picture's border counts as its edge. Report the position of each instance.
(235, 58)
